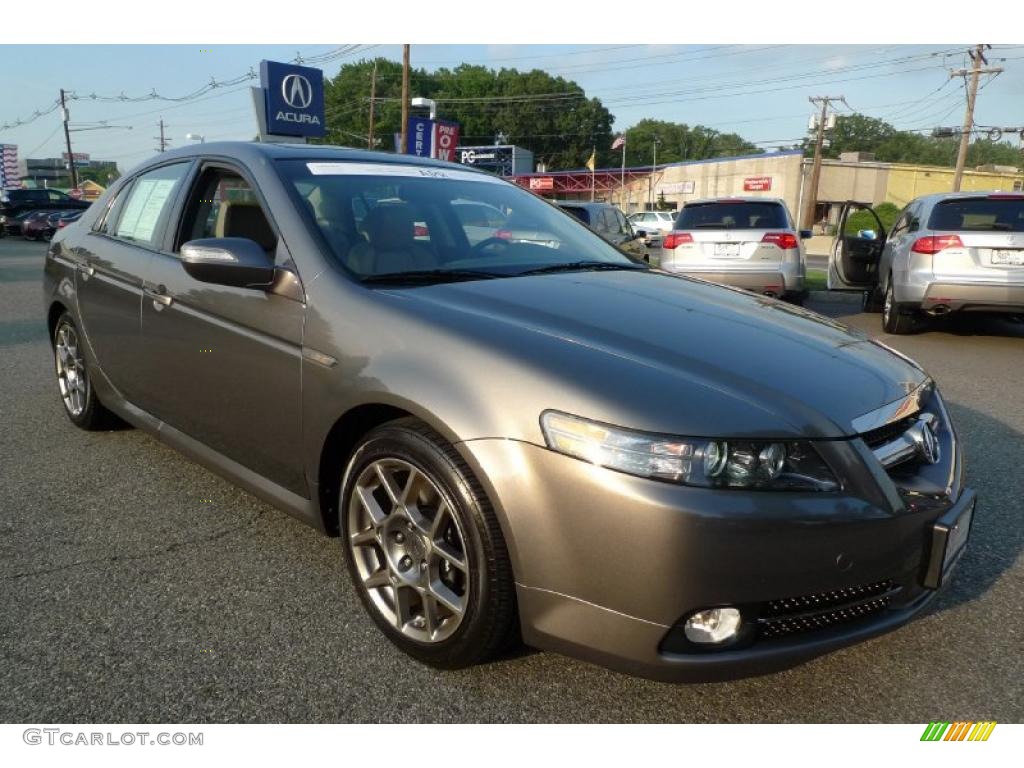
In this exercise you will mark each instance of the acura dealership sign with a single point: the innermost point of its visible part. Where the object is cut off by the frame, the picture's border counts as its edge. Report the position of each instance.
(294, 99)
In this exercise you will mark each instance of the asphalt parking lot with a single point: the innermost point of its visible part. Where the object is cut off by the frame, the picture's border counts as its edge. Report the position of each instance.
(138, 587)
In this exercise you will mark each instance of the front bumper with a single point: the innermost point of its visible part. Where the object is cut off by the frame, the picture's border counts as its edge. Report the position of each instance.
(608, 564)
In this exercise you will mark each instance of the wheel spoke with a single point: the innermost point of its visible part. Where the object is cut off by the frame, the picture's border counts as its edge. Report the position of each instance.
(379, 578)
(387, 481)
(446, 597)
(430, 618)
(366, 498)
(447, 552)
(367, 537)
(440, 516)
(403, 605)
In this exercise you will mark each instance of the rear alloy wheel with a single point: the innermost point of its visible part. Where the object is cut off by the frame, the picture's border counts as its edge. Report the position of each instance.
(76, 392)
(424, 549)
(896, 318)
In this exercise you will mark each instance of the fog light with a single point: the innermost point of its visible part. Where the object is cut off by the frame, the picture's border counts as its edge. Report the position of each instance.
(715, 625)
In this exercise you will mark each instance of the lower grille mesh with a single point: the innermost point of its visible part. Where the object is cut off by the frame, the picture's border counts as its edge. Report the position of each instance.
(809, 613)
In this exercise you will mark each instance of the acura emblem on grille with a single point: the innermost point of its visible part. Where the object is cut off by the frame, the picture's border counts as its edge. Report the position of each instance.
(928, 441)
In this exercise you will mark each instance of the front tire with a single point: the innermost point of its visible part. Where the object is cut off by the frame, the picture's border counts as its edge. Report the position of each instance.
(81, 404)
(424, 549)
(897, 318)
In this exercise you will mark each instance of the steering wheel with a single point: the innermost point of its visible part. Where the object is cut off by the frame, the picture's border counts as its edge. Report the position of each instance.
(487, 243)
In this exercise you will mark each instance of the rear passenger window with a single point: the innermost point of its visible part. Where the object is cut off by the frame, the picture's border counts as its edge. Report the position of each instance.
(148, 203)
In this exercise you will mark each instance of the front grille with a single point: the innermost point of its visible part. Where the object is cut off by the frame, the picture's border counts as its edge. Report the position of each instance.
(888, 432)
(809, 613)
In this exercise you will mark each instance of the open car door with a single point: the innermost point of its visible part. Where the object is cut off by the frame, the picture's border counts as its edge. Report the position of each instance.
(853, 261)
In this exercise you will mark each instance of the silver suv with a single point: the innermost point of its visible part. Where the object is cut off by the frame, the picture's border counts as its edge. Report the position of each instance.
(947, 252)
(746, 242)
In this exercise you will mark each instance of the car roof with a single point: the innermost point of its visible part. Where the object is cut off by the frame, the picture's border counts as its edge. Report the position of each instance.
(252, 152)
(736, 199)
(936, 197)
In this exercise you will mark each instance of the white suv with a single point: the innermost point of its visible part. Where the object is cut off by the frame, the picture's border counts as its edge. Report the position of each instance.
(746, 242)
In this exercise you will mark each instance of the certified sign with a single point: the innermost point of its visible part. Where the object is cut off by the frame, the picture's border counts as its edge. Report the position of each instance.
(432, 138)
(757, 183)
(294, 98)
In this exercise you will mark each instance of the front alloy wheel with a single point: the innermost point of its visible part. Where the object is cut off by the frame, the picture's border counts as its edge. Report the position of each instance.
(409, 550)
(424, 549)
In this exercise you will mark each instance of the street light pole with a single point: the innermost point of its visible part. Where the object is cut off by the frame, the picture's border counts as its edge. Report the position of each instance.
(405, 100)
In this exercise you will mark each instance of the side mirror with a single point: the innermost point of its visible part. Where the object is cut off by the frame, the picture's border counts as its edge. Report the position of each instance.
(806, 234)
(235, 261)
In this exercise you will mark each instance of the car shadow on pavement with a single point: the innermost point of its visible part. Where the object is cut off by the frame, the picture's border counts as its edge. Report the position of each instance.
(970, 324)
(992, 453)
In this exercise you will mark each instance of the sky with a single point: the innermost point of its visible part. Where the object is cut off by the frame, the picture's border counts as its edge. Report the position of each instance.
(759, 91)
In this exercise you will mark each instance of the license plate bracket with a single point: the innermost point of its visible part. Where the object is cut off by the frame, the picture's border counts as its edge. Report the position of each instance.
(949, 537)
(727, 250)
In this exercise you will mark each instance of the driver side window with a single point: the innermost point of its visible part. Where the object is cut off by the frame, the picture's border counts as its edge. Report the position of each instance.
(901, 224)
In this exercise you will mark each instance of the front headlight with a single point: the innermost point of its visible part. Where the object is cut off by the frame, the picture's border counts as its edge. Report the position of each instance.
(753, 464)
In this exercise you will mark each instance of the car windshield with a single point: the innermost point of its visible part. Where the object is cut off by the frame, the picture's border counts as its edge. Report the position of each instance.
(979, 214)
(732, 215)
(382, 220)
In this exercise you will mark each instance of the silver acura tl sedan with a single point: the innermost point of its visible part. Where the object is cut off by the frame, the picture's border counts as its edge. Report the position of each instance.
(512, 440)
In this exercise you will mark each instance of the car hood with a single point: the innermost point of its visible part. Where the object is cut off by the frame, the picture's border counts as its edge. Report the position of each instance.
(687, 356)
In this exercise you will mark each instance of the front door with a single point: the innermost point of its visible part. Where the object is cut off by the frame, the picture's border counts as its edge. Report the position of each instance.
(225, 362)
(856, 250)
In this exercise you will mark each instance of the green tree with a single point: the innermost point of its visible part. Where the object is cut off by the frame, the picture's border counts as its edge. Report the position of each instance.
(679, 141)
(860, 133)
(549, 115)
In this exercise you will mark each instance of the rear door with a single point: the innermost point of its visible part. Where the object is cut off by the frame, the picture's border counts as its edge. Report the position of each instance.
(224, 363)
(112, 260)
(856, 251)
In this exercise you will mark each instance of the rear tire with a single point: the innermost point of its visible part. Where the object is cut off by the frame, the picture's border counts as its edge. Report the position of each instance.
(899, 319)
(81, 404)
(424, 548)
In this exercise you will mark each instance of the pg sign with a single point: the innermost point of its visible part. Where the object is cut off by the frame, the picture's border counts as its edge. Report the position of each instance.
(294, 99)
(432, 138)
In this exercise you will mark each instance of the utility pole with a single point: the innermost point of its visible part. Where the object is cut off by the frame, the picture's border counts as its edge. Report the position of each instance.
(162, 139)
(976, 70)
(405, 98)
(67, 137)
(811, 199)
(373, 97)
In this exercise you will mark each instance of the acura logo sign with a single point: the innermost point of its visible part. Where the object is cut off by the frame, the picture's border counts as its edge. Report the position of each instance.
(296, 91)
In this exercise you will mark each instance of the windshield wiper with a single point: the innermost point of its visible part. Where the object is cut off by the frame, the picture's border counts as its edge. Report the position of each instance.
(431, 276)
(581, 266)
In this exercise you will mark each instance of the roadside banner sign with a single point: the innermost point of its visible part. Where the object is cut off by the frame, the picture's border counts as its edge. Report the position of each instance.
(432, 138)
(757, 184)
(294, 98)
(75, 193)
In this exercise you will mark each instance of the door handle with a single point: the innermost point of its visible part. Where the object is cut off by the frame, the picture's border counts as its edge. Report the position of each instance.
(86, 269)
(158, 297)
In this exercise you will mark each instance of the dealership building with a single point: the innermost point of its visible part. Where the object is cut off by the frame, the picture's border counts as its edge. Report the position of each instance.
(854, 176)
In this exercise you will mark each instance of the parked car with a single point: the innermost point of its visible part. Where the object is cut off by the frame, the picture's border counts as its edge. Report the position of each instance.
(659, 474)
(67, 219)
(17, 201)
(12, 224)
(610, 223)
(946, 253)
(34, 224)
(746, 242)
(652, 226)
(42, 224)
